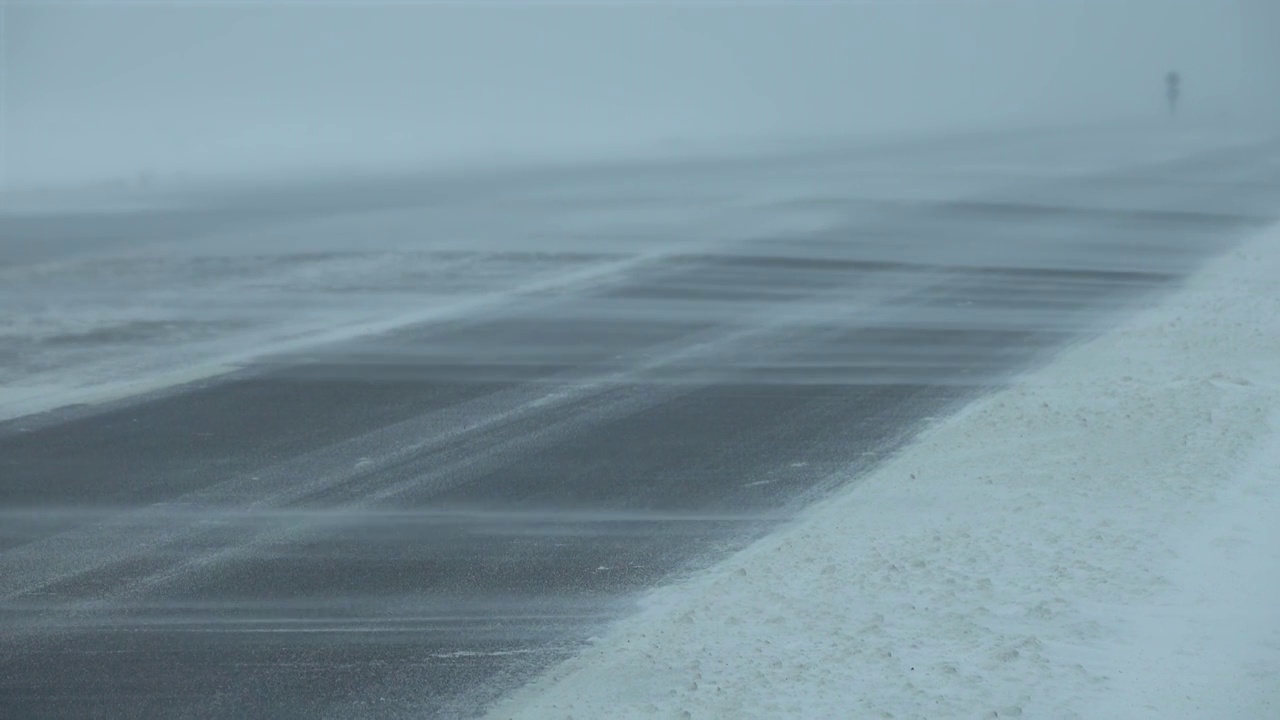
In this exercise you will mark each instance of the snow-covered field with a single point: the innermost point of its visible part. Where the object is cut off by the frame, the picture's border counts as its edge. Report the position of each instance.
(1097, 540)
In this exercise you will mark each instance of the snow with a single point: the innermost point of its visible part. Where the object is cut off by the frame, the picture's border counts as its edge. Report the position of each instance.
(1096, 540)
(119, 337)
(123, 315)
(1209, 648)
(120, 320)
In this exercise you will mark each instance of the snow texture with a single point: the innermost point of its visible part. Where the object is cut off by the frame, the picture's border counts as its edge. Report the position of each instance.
(1095, 541)
(114, 317)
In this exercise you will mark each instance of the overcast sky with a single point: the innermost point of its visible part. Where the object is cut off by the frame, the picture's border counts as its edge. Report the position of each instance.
(112, 89)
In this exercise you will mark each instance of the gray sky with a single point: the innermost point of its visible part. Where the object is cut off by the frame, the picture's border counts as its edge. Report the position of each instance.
(98, 90)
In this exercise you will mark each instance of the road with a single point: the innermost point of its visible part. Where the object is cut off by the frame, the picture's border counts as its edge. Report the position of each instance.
(409, 524)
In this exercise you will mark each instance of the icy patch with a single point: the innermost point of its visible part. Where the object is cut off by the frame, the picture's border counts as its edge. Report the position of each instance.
(1095, 541)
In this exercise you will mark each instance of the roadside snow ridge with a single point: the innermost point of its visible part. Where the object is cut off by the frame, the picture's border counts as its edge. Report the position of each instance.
(1096, 541)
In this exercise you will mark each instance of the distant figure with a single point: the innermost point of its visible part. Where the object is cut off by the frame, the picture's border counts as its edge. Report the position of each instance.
(1171, 91)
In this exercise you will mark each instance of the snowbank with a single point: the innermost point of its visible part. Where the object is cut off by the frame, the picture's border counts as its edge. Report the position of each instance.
(1096, 541)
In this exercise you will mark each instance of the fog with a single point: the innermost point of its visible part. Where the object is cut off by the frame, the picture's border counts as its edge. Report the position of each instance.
(109, 91)
(383, 444)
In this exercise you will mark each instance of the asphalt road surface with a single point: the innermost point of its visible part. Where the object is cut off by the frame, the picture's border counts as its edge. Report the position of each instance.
(408, 525)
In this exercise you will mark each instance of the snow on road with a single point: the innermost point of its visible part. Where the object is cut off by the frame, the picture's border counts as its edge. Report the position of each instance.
(1097, 540)
(117, 319)
(123, 314)
(122, 321)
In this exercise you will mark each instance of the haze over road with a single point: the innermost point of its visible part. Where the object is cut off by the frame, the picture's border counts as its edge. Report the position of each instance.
(409, 523)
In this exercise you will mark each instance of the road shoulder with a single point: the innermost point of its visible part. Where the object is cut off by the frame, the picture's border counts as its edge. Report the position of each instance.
(1009, 562)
